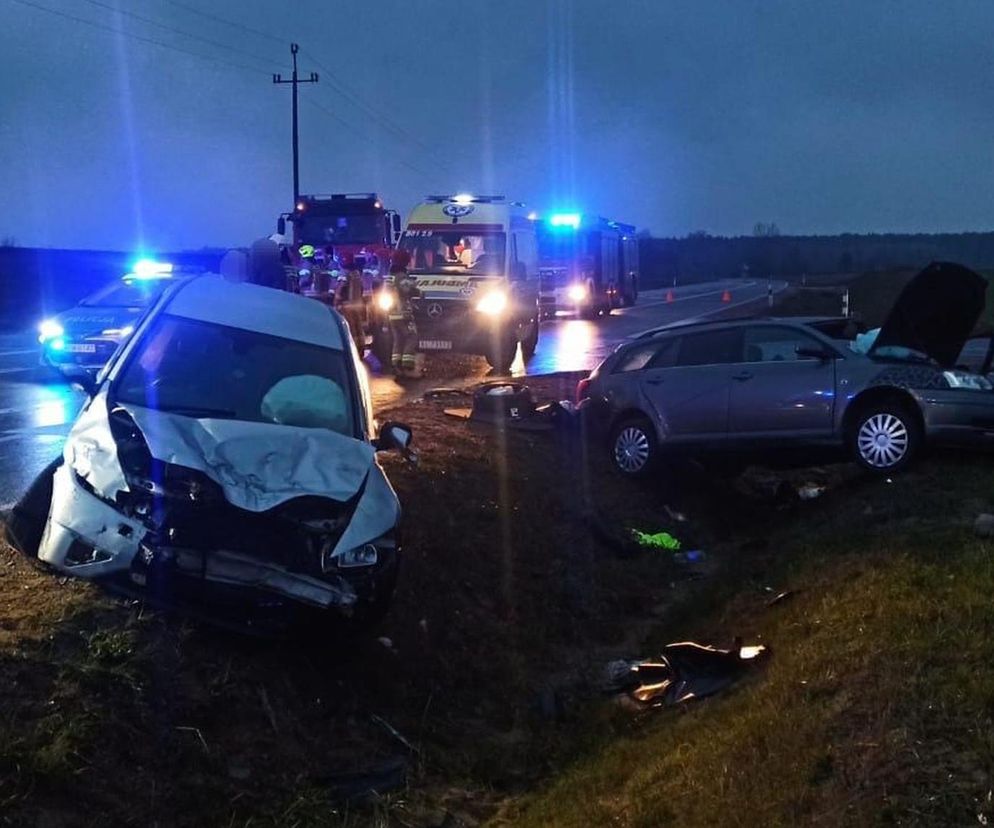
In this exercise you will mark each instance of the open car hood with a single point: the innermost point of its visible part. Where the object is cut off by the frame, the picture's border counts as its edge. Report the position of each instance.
(935, 313)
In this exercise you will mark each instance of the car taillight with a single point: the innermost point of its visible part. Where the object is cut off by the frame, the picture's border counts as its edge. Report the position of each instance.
(583, 389)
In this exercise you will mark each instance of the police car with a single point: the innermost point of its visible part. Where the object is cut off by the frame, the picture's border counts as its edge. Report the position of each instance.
(82, 339)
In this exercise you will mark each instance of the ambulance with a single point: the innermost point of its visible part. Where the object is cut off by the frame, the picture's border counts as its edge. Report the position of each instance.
(475, 260)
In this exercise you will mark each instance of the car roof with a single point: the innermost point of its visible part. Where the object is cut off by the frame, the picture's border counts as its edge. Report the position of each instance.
(709, 324)
(211, 298)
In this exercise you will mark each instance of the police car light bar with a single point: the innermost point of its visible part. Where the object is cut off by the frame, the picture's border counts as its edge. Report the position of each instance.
(149, 269)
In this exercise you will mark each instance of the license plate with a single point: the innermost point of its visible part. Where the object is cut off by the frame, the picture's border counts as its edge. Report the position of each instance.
(82, 349)
(435, 345)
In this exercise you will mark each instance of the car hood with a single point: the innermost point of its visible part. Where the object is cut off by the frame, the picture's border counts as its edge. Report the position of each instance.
(935, 313)
(81, 321)
(257, 465)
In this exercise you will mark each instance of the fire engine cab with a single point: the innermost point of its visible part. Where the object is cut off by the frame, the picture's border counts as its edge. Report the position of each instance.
(587, 264)
(475, 260)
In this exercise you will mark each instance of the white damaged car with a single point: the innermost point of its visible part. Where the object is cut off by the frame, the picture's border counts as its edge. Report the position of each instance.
(225, 462)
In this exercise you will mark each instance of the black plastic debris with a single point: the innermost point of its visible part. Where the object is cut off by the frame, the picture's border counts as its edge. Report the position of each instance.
(682, 673)
(367, 784)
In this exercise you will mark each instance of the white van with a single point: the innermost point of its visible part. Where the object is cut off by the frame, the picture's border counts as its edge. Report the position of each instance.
(475, 259)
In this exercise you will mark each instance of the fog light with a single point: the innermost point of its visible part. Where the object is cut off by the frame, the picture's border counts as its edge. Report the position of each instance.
(360, 556)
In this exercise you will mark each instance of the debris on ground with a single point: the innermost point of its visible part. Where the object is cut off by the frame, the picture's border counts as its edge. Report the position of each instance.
(983, 526)
(691, 556)
(809, 491)
(657, 540)
(683, 672)
(369, 783)
(674, 515)
(780, 597)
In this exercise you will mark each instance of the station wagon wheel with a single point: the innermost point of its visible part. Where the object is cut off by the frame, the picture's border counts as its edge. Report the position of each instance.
(634, 446)
(885, 437)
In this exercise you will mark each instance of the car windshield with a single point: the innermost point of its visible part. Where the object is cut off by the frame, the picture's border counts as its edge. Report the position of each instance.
(204, 370)
(127, 293)
(325, 230)
(434, 251)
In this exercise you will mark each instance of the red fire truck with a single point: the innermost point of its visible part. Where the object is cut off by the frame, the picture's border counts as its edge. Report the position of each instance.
(587, 264)
(346, 225)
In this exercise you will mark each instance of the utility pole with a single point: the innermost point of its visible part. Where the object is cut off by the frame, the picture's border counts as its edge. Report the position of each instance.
(277, 78)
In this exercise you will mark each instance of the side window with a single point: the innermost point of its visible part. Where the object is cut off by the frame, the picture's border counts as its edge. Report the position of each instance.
(651, 355)
(711, 348)
(769, 343)
(526, 252)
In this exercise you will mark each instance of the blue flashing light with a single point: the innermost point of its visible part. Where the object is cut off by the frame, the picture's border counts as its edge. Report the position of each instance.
(570, 220)
(150, 269)
(57, 344)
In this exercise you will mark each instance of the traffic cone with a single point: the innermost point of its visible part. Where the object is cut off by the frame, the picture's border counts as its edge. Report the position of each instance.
(726, 296)
(669, 296)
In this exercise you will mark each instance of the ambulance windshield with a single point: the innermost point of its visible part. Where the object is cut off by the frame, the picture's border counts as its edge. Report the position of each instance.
(442, 251)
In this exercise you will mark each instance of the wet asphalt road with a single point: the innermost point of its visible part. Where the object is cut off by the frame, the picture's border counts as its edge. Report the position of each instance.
(37, 407)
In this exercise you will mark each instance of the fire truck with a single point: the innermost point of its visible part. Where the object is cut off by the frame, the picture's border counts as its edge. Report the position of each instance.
(587, 264)
(346, 225)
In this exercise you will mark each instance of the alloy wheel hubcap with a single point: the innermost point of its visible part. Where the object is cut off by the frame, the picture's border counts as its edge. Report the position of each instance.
(882, 440)
(631, 450)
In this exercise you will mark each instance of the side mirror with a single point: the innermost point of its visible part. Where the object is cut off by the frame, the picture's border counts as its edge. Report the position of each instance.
(85, 382)
(805, 352)
(281, 226)
(394, 437)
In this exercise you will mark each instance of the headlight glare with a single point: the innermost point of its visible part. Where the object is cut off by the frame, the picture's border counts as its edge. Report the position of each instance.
(49, 329)
(385, 300)
(578, 293)
(492, 303)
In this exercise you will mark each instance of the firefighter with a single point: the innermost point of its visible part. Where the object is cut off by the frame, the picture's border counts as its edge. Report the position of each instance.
(305, 273)
(350, 302)
(402, 324)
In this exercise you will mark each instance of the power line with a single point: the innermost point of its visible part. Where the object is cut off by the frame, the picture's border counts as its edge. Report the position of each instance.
(342, 90)
(141, 38)
(141, 18)
(351, 127)
(336, 84)
(225, 21)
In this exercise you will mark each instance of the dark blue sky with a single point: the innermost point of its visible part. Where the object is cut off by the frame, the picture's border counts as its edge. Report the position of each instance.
(676, 116)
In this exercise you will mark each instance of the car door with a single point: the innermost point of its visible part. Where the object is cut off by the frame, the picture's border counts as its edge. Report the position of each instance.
(777, 393)
(687, 385)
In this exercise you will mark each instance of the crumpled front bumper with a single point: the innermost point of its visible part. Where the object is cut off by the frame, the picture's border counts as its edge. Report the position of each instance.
(88, 538)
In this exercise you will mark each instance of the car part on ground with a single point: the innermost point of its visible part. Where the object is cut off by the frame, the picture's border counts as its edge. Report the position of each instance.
(683, 672)
(763, 385)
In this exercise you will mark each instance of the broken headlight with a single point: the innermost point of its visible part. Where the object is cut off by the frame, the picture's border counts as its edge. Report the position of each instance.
(964, 379)
(368, 554)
